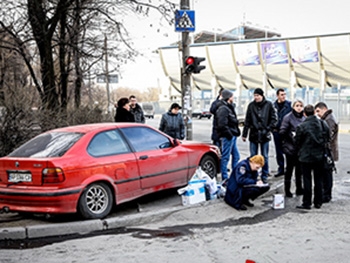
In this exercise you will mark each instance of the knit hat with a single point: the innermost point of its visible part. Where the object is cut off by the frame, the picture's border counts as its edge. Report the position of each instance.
(259, 91)
(226, 94)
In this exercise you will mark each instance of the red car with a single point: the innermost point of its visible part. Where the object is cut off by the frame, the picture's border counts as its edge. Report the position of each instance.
(89, 168)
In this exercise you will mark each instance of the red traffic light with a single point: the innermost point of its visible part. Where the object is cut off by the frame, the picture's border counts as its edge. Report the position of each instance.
(189, 64)
(189, 60)
(192, 64)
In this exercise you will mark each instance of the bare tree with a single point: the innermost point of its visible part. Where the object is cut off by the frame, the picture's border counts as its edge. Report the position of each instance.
(67, 37)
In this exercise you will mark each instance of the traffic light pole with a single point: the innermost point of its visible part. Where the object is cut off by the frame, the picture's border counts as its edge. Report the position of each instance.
(186, 78)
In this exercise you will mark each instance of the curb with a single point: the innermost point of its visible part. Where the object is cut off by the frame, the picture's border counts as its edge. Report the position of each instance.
(89, 226)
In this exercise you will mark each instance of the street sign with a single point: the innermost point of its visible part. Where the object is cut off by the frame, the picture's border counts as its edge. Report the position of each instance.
(184, 21)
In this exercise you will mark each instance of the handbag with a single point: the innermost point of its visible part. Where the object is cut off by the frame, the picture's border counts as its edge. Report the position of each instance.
(328, 161)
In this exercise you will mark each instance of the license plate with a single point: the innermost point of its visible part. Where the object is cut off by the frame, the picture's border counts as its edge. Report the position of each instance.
(19, 177)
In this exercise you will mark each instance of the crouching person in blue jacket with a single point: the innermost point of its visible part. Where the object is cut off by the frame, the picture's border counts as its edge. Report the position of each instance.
(243, 183)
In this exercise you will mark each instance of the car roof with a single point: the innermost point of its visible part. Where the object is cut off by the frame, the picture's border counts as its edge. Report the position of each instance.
(85, 128)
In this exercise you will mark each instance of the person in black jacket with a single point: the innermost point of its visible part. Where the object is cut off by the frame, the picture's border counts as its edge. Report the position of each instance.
(123, 113)
(227, 130)
(213, 108)
(260, 120)
(311, 138)
(287, 133)
(283, 107)
(136, 110)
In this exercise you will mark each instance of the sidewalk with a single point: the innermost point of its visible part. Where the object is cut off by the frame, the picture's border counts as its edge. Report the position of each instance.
(137, 219)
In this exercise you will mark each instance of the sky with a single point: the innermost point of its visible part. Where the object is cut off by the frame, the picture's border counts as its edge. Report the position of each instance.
(290, 18)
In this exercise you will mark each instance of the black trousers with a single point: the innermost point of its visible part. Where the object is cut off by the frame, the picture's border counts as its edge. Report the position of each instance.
(317, 169)
(279, 153)
(293, 164)
(253, 192)
(327, 184)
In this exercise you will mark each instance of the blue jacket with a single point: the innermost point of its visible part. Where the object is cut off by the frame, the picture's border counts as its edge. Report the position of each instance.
(241, 175)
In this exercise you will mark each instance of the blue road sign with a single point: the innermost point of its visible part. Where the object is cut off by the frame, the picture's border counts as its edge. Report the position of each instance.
(184, 21)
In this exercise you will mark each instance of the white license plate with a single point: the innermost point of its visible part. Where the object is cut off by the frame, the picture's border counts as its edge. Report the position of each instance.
(19, 177)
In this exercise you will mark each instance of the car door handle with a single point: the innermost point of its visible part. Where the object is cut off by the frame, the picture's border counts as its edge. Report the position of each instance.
(143, 157)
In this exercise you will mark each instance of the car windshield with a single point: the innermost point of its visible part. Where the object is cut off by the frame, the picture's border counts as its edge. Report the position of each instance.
(53, 144)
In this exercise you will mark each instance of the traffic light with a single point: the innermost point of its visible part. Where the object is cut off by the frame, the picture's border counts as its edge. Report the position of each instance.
(189, 64)
(197, 66)
(192, 65)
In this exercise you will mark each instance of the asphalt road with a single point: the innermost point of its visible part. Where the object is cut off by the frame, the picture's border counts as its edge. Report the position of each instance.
(158, 207)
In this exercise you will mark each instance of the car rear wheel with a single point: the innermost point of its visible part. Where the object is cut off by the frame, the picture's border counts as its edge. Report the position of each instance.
(208, 165)
(96, 201)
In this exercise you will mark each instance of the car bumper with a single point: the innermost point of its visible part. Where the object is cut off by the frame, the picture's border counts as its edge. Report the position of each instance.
(45, 200)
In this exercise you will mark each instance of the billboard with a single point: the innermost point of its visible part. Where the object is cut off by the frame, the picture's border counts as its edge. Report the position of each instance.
(304, 50)
(274, 52)
(246, 54)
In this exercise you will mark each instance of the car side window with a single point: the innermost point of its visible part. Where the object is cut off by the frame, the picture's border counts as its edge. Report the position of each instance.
(145, 139)
(108, 143)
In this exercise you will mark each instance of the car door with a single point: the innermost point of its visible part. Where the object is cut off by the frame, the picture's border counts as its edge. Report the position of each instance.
(161, 164)
(116, 159)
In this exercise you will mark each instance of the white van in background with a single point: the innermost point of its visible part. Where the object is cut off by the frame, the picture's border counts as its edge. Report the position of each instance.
(148, 110)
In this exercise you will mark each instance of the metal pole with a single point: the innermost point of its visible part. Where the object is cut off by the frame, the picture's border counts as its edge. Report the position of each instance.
(107, 73)
(186, 78)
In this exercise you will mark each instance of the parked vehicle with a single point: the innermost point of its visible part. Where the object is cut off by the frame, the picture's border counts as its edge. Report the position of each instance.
(205, 113)
(89, 168)
(148, 110)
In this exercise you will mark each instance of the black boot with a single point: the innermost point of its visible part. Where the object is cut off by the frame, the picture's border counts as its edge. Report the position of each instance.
(287, 191)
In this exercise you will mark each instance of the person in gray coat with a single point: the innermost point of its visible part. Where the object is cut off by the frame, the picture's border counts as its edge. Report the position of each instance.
(327, 115)
(172, 122)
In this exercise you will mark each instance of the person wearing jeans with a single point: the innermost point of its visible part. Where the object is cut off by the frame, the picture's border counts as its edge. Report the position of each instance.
(228, 130)
(260, 120)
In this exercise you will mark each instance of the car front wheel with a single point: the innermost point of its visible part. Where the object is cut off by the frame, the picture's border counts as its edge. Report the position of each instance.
(208, 165)
(96, 201)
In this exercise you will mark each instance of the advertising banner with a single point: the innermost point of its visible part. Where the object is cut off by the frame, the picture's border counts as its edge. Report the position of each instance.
(274, 52)
(246, 54)
(304, 50)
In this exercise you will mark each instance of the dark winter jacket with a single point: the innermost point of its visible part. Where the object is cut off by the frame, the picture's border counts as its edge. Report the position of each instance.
(260, 120)
(213, 109)
(123, 115)
(311, 138)
(288, 129)
(138, 113)
(173, 125)
(241, 175)
(282, 110)
(333, 129)
(226, 120)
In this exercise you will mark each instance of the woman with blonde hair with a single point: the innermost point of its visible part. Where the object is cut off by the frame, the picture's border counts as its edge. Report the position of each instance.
(243, 183)
(287, 132)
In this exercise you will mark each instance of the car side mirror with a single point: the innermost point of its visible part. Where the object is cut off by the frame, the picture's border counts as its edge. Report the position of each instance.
(176, 142)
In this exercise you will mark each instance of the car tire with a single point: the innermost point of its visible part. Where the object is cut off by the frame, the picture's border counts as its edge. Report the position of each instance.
(96, 202)
(209, 166)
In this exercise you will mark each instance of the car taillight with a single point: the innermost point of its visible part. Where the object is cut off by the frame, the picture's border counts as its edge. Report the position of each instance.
(53, 175)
